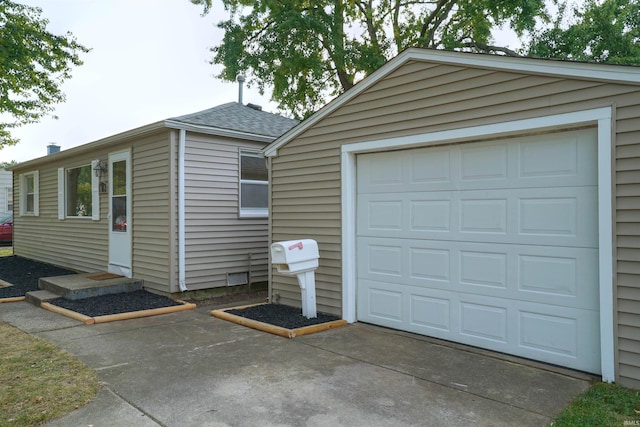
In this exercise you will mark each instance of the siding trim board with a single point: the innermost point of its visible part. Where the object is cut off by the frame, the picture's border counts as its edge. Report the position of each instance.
(600, 117)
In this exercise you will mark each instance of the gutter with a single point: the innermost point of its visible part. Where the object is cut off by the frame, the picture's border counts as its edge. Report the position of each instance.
(181, 212)
(208, 130)
(135, 133)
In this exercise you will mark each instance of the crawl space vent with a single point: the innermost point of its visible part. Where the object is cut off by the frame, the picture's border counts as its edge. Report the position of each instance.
(234, 279)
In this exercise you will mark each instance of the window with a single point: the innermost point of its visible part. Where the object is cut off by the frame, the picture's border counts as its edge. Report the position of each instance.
(254, 185)
(29, 203)
(119, 196)
(9, 199)
(78, 191)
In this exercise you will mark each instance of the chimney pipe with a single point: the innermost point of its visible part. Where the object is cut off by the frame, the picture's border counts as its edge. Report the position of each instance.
(52, 148)
(240, 80)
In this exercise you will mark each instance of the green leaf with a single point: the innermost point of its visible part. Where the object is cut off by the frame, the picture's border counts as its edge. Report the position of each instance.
(308, 51)
(33, 65)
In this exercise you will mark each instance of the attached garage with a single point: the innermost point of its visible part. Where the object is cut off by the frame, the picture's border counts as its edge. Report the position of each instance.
(479, 199)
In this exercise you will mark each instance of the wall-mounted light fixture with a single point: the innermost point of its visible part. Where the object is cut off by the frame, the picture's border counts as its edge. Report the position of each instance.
(100, 168)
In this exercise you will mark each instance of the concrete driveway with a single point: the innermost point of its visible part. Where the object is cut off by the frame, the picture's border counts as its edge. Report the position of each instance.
(190, 369)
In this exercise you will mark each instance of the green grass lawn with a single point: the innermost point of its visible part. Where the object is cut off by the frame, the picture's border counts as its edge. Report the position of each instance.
(38, 381)
(602, 405)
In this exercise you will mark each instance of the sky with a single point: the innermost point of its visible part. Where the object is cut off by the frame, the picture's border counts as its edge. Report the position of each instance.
(149, 62)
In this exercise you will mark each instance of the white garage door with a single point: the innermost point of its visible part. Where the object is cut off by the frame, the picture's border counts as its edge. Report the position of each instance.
(492, 244)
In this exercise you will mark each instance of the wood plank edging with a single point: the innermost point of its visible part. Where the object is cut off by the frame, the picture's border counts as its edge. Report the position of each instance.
(87, 320)
(68, 313)
(11, 299)
(144, 313)
(273, 329)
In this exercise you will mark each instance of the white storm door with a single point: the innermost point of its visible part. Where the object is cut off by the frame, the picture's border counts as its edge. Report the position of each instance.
(120, 213)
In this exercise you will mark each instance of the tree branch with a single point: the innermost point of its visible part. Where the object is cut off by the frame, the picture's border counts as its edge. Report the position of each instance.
(434, 21)
(489, 48)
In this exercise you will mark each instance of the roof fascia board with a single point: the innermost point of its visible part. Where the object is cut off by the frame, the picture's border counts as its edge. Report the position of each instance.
(272, 150)
(582, 70)
(601, 72)
(92, 146)
(173, 124)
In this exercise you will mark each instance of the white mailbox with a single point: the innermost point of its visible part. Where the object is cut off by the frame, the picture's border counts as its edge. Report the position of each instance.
(299, 258)
(295, 256)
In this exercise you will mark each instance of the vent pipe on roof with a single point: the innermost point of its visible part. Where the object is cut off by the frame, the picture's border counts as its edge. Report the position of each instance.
(52, 149)
(254, 106)
(240, 80)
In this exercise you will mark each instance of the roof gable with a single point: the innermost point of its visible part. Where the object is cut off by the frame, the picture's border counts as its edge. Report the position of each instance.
(535, 66)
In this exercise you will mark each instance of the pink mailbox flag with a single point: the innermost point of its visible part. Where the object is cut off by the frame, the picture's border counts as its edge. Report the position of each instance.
(297, 245)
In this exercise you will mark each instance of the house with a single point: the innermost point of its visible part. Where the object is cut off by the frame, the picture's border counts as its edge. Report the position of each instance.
(180, 203)
(486, 200)
(6, 193)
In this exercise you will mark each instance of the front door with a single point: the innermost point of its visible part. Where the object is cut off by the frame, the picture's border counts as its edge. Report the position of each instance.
(120, 213)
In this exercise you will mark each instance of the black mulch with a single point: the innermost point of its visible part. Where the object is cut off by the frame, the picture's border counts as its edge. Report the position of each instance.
(115, 303)
(24, 273)
(284, 316)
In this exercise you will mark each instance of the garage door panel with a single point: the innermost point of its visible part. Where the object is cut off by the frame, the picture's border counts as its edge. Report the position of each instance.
(484, 322)
(430, 312)
(563, 336)
(564, 216)
(528, 162)
(550, 275)
(484, 161)
(552, 334)
(571, 157)
(384, 259)
(492, 244)
(486, 269)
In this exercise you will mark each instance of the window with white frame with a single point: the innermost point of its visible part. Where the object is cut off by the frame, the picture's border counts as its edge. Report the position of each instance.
(29, 194)
(78, 191)
(254, 185)
(9, 199)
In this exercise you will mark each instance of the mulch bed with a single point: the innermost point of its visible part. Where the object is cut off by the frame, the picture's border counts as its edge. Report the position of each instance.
(115, 303)
(24, 273)
(284, 316)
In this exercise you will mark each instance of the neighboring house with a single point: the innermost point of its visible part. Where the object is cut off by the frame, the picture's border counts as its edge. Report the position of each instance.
(180, 203)
(487, 200)
(6, 193)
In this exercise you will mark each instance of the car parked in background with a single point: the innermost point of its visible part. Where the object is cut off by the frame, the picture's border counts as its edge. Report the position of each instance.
(6, 229)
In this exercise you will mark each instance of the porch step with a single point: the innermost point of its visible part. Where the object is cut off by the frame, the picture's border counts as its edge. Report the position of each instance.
(87, 285)
(38, 297)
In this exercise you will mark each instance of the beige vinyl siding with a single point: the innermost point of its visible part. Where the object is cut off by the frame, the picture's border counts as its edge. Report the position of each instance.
(627, 166)
(310, 209)
(421, 98)
(76, 243)
(81, 243)
(151, 204)
(217, 240)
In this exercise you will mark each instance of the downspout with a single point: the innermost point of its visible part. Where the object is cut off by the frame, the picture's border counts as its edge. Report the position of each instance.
(181, 210)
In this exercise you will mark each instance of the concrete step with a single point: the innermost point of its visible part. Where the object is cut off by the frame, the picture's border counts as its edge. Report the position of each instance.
(38, 297)
(80, 286)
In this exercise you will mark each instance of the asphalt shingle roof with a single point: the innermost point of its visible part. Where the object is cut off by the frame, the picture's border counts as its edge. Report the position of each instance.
(238, 117)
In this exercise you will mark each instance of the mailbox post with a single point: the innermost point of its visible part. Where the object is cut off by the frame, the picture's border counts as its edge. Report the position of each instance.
(299, 258)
